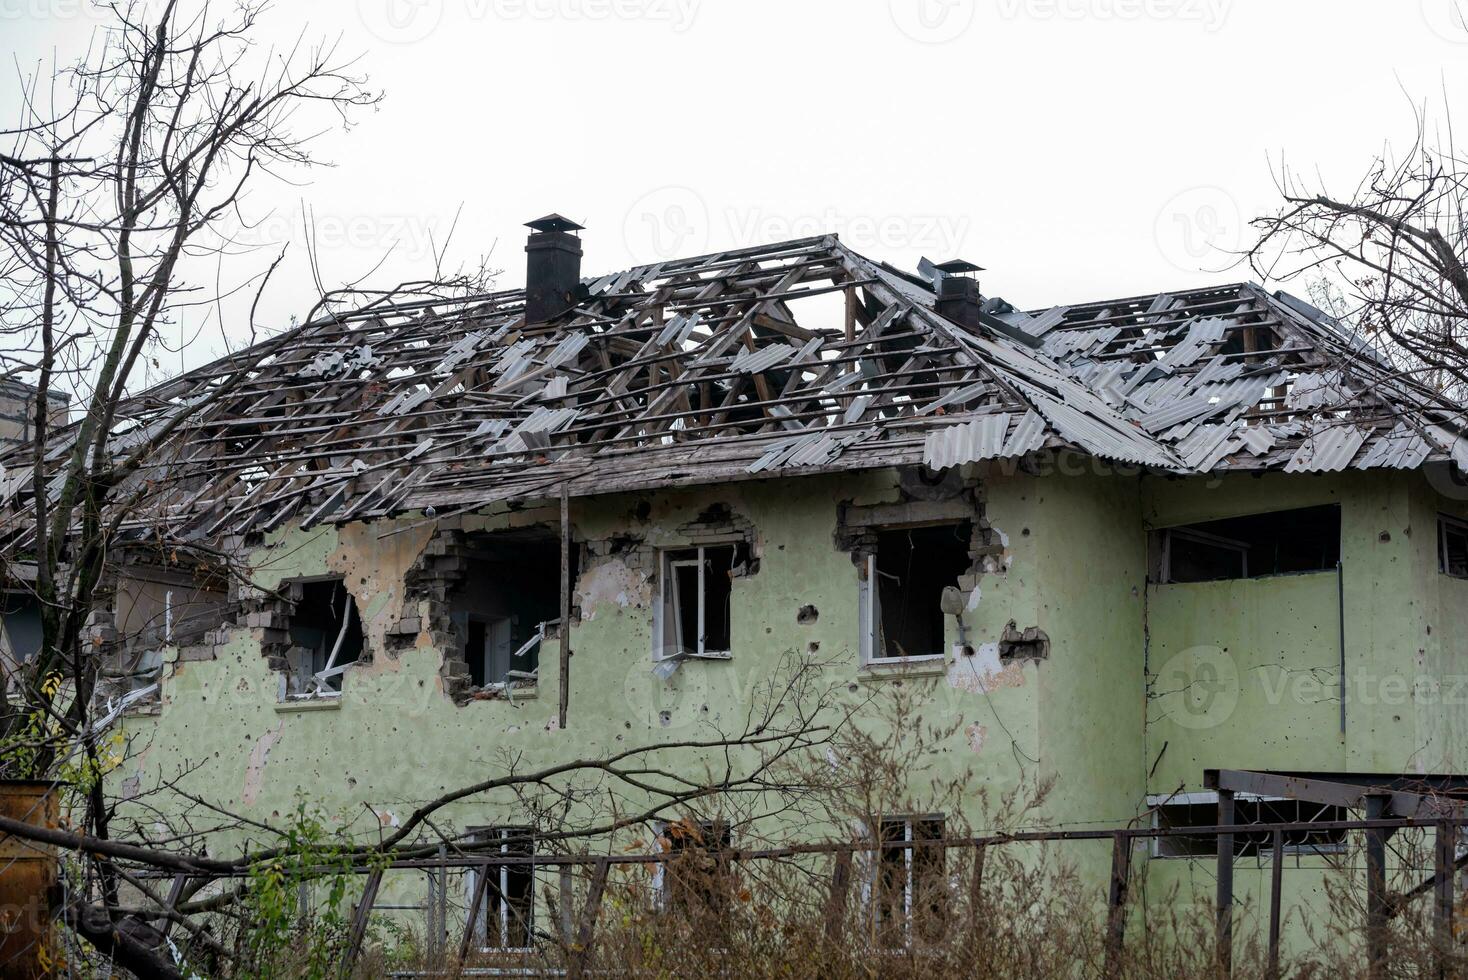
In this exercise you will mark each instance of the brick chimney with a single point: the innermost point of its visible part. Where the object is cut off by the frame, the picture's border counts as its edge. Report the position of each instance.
(552, 267)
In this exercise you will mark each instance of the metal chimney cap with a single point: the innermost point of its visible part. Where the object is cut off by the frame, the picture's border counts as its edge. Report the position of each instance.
(554, 222)
(954, 267)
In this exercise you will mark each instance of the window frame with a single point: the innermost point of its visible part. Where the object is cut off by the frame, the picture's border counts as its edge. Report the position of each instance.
(330, 671)
(1447, 523)
(870, 886)
(480, 926)
(667, 641)
(869, 607)
(1156, 804)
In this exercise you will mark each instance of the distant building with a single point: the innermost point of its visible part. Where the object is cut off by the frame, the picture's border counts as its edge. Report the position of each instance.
(16, 409)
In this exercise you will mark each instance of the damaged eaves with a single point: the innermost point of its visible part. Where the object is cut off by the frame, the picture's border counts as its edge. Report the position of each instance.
(703, 370)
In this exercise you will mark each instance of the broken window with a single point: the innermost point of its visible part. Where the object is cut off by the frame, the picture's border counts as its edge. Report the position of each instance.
(506, 603)
(697, 879)
(909, 883)
(20, 629)
(1279, 543)
(1452, 546)
(696, 590)
(157, 607)
(902, 589)
(325, 636)
(1201, 810)
(506, 915)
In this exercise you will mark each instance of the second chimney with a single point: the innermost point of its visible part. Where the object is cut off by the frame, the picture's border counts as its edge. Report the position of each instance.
(552, 267)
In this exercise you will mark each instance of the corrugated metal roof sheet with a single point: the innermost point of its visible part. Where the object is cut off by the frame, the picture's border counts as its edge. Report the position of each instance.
(983, 438)
(762, 359)
(1401, 448)
(1329, 449)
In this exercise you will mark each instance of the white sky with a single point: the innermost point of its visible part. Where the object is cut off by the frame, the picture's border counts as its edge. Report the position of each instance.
(1079, 149)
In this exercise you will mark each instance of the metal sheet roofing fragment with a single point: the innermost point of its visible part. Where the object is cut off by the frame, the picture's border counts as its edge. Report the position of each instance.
(980, 439)
(1328, 449)
(692, 371)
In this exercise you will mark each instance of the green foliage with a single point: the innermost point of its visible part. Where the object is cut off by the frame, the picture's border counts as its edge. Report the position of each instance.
(280, 938)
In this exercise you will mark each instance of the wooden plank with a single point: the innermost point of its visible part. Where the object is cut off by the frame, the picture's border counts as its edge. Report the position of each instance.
(1121, 865)
(564, 681)
(359, 922)
(481, 885)
(1224, 926)
(1276, 884)
(836, 901)
(1442, 912)
(586, 933)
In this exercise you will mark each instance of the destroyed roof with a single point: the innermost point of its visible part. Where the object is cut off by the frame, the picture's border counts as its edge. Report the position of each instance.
(704, 370)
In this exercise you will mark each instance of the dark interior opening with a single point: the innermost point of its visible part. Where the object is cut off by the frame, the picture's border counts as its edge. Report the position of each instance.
(697, 879)
(914, 566)
(1452, 547)
(324, 617)
(512, 586)
(910, 879)
(719, 565)
(507, 910)
(1247, 843)
(21, 612)
(1279, 543)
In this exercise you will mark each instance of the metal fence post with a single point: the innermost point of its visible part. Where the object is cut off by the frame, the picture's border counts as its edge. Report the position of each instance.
(1225, 923)
(1121, 863)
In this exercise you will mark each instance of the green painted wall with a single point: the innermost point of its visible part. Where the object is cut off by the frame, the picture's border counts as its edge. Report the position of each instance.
(1080, 724)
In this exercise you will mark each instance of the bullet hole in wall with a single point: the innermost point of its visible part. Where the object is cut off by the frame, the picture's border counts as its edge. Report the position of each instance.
(807, 615)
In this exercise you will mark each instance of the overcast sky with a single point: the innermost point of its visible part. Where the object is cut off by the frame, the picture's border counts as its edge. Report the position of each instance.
(1079, 149)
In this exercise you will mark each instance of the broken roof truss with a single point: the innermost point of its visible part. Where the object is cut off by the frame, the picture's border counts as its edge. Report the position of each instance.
(792, 358)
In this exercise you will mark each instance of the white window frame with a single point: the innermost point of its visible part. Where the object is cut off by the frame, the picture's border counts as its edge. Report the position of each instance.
(869, 618)
(667, 637)
(1207, 797)
(481, 926)
(869, 879)
(1444, 524)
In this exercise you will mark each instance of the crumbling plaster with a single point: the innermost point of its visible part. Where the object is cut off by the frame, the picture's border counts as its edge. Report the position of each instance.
(1071, 562)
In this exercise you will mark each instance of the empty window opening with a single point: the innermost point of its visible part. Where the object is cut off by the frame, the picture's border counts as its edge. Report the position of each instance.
(20, 629)
(1452, 546)
(157, 607)
(326, 636)
(506, 918)
(1280, 543)
(507, 603)
(697, 587)
(902, 595)
(1201, 810)
(909, 881)
(698, 879)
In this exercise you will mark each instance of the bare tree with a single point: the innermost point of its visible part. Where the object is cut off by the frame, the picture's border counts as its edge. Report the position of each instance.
(115, 183)
(1387, 255)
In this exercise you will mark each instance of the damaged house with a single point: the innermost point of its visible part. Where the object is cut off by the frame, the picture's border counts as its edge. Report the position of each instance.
(1113, 545)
